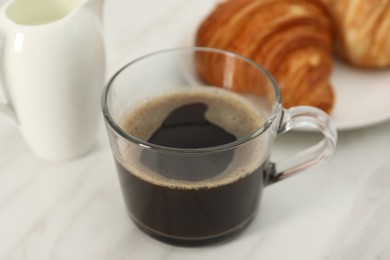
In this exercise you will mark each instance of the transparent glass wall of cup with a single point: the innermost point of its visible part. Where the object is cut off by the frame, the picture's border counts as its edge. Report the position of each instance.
(192, 210)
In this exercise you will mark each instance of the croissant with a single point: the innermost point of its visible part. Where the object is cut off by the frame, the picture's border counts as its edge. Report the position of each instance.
(292, 39)
(363, 31)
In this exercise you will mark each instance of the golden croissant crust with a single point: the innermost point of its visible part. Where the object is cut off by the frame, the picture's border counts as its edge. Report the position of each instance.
(363, 31)
(292, 39)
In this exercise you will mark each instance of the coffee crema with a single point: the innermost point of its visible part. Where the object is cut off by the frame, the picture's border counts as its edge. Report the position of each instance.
(228, 110)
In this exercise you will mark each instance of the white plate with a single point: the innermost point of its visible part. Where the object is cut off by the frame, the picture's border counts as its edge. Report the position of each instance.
(362, 96)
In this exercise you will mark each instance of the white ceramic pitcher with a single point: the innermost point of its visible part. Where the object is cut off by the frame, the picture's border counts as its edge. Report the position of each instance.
(52, 70)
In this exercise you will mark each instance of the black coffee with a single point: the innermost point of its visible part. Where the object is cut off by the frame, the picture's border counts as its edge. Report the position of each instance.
(186, 197)
(191, 216)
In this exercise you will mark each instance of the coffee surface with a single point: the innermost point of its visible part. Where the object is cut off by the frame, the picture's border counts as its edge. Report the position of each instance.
(228, 111)
(225, 109)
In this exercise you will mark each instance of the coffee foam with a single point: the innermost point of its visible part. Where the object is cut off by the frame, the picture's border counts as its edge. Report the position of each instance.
(229, 110)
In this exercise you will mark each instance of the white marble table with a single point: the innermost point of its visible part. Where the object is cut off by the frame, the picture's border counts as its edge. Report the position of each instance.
(74, 210)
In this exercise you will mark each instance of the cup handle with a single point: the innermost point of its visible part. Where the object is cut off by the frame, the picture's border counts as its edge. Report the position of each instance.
(5, 107)
(307, 118)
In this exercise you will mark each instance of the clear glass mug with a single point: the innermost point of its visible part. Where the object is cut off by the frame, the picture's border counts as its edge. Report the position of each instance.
(197, 208)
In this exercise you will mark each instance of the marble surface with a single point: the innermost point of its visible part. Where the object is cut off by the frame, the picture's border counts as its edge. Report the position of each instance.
(74, 210)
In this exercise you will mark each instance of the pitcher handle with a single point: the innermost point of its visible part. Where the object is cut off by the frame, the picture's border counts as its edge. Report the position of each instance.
(6, 107)
(307, 118)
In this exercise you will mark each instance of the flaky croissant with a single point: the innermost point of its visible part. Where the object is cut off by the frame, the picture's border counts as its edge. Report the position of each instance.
(292, 39)
(363, 31)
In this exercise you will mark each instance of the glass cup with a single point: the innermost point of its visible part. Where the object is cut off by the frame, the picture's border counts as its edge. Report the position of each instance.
(199, 195)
